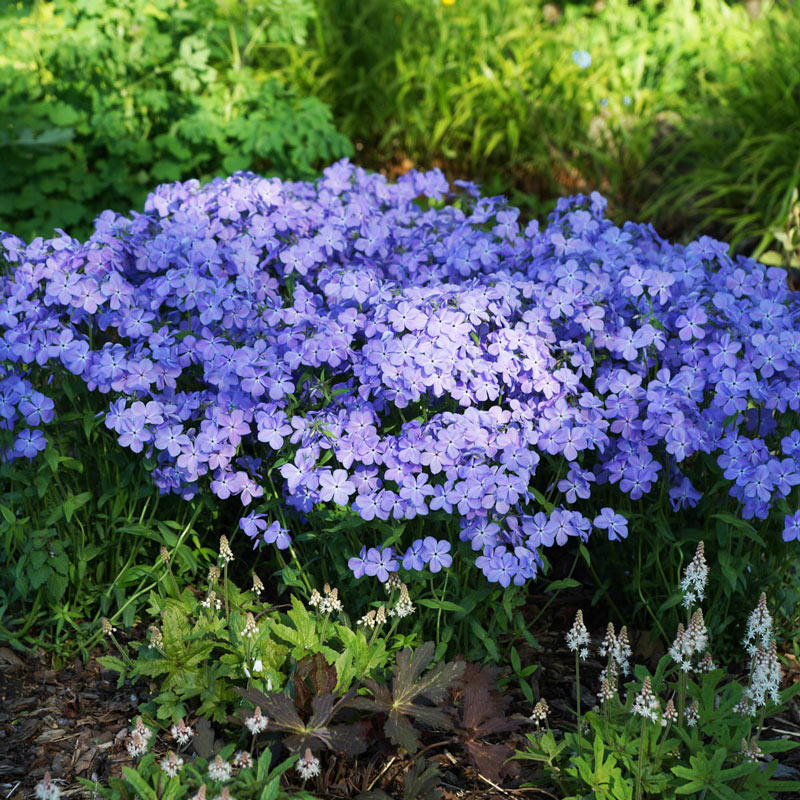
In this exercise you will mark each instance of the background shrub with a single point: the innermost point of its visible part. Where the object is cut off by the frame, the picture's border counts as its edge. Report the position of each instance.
(490, 91)
(102, 99)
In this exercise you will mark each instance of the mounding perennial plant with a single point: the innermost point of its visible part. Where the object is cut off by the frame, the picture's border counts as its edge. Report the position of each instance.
(368, 353)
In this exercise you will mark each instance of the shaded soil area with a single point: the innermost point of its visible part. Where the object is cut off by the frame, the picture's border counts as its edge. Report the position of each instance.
(73, 723)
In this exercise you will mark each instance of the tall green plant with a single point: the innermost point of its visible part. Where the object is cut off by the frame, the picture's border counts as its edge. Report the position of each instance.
(489, 88)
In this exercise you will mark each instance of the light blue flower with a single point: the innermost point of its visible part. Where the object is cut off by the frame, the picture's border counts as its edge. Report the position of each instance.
(626, 100)
(582, 58)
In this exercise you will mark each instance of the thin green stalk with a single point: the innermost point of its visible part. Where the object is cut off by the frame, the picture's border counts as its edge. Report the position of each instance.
(439, 615)
(578, 701)
(640, 768)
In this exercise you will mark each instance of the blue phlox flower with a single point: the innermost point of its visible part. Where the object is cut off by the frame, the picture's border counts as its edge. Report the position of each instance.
(615, 524)
(379, 563)
(791, 529)
(436, 553)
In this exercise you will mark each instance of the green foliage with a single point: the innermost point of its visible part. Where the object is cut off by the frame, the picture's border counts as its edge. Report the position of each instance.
(682, 730)
(149, 781)
(101, 100)
(79, 530)
(731, 166)
(673, 761)
(208, 646)
(488, 88)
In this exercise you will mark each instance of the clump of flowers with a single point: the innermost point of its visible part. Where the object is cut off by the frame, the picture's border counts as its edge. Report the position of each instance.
(199, 777)
(181, 732)
(220, 770)
(308, 765)
(139, 739)
(171, 764)
(256, 722)
(326, 603)
(646, 704)
(685, 692)
(251, 322)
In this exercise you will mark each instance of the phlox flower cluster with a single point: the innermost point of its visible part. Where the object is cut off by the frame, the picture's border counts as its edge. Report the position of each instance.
(406, 350)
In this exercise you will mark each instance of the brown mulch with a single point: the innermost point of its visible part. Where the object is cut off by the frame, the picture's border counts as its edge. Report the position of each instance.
(70, 722)
(73, 722)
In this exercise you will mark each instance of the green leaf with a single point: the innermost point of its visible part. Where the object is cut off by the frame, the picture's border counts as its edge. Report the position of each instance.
(74, 502)
(8, 514)
(62, 114)
(563, 583)
(445, 605)
(138, 783)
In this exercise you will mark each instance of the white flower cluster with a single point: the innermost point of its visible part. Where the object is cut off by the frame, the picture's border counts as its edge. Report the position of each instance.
(540, 711)
(690, 642)
(181, 732)
(308, 765)
(670, 714)
(212, 601)
(250, 627)
(751, 752)
(692, 714)
(646, 703)
(328, 604)
(220, 770)
(403, 607)
(172, 764)
(695, 578)
(765, 681)
(46, 789)
(616, 648)
(225, 552)
(578, 637)
(759, 627)
(257, 723)
(373, 618)
(139, 739)
(765, 668)
(156, 638)
(393, 583)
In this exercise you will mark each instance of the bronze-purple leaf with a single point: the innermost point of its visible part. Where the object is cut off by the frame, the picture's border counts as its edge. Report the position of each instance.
(483, 714)
(409, 685)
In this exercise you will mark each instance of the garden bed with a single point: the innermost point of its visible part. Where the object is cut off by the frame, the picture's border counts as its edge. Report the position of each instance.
(74, 722)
